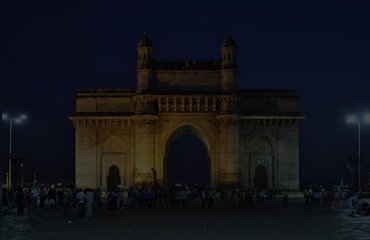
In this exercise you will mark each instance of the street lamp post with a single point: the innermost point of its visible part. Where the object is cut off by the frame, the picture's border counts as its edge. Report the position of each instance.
(351, 166)
(354, 119)
(22, 174)
(18, 119)
(10, 155)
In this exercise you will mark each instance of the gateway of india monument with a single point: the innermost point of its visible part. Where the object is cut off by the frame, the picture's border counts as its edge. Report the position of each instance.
(123, 136)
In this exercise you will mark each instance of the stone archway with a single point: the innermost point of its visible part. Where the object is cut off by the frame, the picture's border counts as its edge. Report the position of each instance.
(113, 178)
(112, 158)
(185, 129)
(260, 163)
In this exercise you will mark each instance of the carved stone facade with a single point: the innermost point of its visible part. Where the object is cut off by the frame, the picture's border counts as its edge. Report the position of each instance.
(244, 131)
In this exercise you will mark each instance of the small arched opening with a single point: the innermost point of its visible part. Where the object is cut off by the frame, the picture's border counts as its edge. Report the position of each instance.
(260, 177)
(113, 178)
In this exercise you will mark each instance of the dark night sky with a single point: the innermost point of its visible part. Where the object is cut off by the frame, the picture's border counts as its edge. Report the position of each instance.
(49, 49)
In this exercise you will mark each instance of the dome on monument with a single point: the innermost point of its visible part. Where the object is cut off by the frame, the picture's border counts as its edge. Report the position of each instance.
(228, 41)
(145, 41)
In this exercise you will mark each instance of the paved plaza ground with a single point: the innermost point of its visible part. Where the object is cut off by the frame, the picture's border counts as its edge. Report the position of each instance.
(275, 221)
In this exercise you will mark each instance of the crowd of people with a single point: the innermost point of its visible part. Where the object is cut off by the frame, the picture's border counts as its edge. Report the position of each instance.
(320, 196)
(83, 202)
(337, 198)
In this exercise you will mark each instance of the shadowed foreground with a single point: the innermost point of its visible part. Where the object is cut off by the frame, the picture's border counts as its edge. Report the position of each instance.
(224, 222)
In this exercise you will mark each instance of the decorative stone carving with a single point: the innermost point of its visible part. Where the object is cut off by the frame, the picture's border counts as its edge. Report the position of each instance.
(113, 145)
(261, 146)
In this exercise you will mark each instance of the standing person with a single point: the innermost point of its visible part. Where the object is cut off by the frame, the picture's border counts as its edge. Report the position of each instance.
(316, 195)
(167, 198)
(112, 198)
(81, 199)
(261, 197)
(203, 197)
(121, 199)
(52, 197)
(19, 201)
(182, 197)
(307, 197)
(324, 198)
(89, 202)
(342, 197)
(336, 204)
(28, 200)
(160, 195)
(60, 193)
(285, 197)
(35, 193)
(154, 197)
(131, 198)
(43, 197)
(98, 195)
(249, 198)
(222, 198)
(241, 197)
(67, 201)
(173, 196)
(211, 195)
(4, 199)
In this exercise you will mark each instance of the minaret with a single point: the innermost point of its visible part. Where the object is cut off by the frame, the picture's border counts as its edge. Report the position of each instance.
(144, 63)
(228, 64)
(145, 114)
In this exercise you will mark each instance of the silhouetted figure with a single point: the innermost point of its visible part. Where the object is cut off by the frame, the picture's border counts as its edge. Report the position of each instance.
(285, 197)
(19, 200)
(98, 195)
(112, 198)
(203, 198)
(67, 201)
(81, 200)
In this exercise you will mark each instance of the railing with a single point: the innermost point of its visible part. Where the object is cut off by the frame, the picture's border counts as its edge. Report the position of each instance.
(187, 104)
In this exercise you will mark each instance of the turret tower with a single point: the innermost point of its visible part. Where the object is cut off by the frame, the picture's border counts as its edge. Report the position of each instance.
(144, 63)
(228, 64)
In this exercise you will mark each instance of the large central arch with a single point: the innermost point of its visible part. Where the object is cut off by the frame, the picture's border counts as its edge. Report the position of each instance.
(185, 129)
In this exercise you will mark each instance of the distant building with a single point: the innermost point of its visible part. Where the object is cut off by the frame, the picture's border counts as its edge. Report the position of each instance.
(251, 135)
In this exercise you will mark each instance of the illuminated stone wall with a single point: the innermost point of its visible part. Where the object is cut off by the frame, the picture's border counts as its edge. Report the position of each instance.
(241, 129)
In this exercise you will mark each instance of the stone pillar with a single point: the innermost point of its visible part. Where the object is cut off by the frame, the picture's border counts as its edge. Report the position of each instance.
(229, 150)
(167, 104)
(214, 104)
(86, 154)
(206, 104)
(288, 158)
(144, 148)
